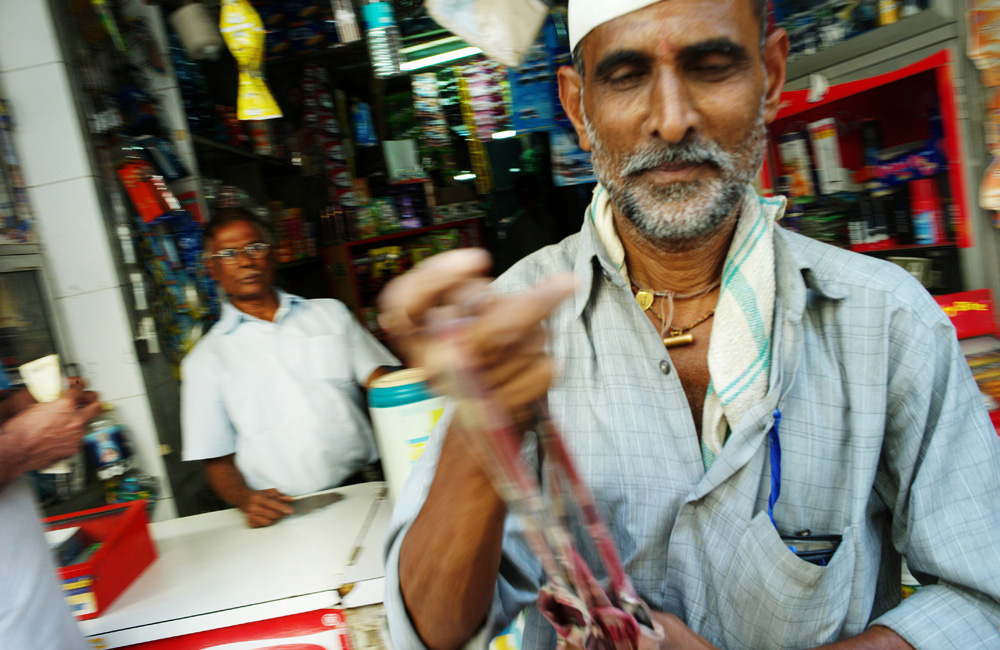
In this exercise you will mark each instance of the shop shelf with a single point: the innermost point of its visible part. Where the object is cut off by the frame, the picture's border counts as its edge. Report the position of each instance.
(929, 83)
(901, 248)
(20, 249)
(305, 261)
(340, 54)
(410, 232)
(212, 154)
(860, 47)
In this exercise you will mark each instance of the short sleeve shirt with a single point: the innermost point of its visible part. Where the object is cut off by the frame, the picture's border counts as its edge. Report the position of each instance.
(285, 396)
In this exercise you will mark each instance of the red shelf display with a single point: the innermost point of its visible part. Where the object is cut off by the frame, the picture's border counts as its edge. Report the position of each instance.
(900, 102)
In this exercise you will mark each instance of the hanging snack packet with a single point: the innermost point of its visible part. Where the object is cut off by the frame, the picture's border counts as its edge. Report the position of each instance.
(244, 33)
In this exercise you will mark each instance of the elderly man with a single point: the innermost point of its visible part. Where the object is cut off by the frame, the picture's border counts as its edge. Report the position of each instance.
(272, 396)
(699, 339)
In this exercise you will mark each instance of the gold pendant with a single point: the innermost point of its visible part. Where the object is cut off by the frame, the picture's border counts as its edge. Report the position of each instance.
(644, 298)
(679, 340)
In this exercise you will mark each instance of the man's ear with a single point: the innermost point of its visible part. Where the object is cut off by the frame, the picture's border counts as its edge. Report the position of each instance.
(571, 96)
(775, 62)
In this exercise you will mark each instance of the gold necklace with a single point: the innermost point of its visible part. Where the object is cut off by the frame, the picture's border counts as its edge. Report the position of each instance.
(678, 335)
(645, 297)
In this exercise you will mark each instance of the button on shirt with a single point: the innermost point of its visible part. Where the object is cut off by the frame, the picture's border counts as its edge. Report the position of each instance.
(285, 396)
(885, 442)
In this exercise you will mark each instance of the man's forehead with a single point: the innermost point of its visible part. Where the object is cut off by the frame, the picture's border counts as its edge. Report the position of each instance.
(236, 231)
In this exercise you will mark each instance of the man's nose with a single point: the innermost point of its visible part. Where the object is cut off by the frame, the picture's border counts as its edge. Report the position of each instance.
(243, 258)
(672, 114)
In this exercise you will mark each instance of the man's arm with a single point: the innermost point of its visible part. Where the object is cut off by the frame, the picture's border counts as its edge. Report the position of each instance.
(41, 434)
(261, 507)
(208, 435)
(450, 557)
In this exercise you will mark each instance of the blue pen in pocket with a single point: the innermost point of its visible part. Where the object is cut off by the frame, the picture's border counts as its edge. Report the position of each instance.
(816, 549)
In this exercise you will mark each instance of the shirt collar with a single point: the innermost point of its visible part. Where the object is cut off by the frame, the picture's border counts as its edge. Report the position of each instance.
(590, 256)
(231, 317)
(794, 274)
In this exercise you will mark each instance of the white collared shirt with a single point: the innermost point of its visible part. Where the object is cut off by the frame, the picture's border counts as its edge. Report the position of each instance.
(285, 396)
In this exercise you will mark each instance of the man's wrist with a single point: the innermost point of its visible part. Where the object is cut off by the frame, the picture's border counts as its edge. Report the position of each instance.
(242, 498)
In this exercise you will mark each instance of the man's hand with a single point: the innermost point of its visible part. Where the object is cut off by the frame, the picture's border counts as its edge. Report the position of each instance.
(264, 507)
(41, 434)
(503, 340)
(261, 507)
(449, 559)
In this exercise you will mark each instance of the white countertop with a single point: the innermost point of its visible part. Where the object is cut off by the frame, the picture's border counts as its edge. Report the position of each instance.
(212, 571)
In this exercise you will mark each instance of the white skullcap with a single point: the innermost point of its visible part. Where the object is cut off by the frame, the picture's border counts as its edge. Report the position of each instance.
(585, 15)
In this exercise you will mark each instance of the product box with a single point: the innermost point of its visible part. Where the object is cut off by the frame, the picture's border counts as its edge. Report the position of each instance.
(826, 149)
(117, 548)
(974, 315)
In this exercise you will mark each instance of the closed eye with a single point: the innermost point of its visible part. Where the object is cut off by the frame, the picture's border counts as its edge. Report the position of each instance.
(716, 59)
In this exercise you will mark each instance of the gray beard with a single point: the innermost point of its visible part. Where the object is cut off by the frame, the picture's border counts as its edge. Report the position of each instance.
(680, 212)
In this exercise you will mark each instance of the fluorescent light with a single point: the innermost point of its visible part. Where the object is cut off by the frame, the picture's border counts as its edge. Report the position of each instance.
(503, 135)
(465, 177)
(428, 45)
(440, 58)
(514, 170)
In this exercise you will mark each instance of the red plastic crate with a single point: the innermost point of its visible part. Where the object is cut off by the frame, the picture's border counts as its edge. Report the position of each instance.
(126, 550)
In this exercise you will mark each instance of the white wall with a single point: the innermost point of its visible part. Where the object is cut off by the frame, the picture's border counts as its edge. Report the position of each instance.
(89, 306)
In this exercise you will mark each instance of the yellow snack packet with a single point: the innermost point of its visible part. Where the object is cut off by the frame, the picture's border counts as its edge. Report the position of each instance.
(244, 33)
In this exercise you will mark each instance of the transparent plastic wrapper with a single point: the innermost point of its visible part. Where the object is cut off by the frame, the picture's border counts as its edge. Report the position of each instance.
(504, 30)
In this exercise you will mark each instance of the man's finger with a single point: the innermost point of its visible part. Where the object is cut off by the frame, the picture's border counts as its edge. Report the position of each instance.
(275, 505)
(405, 300)
(90, 411)
(507, 320)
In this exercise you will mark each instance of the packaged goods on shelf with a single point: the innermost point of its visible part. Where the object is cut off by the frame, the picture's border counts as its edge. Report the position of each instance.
(295, 237)
(427, 102)
(17, 223)
(323, 115)
(974, 315)
(382, 34)
(534, 88)
(485, 97)
(571, 165)
(814, 25)
(243, 31)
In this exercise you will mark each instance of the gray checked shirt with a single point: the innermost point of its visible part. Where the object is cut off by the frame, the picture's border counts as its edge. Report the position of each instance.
(885, 442)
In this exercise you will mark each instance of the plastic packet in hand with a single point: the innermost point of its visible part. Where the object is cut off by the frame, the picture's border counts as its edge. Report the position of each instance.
(505, 30)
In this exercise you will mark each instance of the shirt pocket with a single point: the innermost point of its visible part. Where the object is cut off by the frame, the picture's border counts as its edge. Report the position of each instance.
(328, 358)
(772, 599)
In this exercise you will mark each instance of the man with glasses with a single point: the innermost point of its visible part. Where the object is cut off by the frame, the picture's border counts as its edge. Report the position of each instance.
(273, 396)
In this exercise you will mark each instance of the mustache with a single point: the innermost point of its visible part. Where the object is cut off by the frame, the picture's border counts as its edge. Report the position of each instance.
(698, 151)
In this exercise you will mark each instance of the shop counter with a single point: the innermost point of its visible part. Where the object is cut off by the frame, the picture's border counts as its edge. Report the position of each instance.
(213, 572)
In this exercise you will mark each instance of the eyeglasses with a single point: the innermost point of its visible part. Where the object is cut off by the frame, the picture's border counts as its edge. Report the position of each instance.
(255, 251)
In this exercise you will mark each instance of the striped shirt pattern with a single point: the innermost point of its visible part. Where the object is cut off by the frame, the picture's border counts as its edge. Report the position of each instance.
(885, 441)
